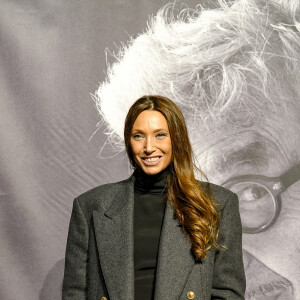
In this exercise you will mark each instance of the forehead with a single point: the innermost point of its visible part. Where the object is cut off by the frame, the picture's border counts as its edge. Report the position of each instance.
(150, 119)
(255, 150)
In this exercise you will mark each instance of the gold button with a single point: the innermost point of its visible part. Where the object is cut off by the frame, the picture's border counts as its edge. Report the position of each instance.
(190, 295)
(103, 298)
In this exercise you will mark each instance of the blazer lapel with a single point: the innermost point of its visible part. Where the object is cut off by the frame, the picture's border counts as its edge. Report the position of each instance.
(175, 260)
(114, 238)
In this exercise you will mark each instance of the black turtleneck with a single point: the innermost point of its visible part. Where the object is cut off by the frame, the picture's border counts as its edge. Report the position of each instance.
(149, 205)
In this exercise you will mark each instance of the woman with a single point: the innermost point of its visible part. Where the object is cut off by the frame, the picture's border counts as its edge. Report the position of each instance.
(160, 234)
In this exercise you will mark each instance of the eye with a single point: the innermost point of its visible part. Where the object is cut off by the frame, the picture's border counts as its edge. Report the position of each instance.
(252, 193)
(161, 135)
(137, 136)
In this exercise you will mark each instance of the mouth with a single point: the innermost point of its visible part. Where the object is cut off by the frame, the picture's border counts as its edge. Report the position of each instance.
(151, 161)
(266, 283)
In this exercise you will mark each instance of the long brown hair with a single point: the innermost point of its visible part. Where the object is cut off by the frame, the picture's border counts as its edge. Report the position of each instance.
(194, 208)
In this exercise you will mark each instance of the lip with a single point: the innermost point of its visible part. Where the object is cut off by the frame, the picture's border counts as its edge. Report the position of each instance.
(151, 163)
(275, 284)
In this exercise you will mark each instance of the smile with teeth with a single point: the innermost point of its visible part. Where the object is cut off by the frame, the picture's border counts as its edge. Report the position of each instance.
(151, 159)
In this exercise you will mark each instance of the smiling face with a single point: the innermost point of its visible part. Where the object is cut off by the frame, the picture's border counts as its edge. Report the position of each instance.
(151, 142)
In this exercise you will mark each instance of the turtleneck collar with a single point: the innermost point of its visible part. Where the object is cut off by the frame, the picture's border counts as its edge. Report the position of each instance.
(151, 183)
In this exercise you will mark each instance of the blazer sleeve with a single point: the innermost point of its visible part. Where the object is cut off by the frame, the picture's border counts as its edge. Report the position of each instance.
(229, 277)
(76, 258)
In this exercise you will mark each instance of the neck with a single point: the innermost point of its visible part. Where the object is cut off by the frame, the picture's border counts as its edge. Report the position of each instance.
(156, 182)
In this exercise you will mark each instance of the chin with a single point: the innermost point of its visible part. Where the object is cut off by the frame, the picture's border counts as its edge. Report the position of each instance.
(155, 169)
(151, 171)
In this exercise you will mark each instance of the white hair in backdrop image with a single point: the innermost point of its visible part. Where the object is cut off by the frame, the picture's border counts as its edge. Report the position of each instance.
(234, 71)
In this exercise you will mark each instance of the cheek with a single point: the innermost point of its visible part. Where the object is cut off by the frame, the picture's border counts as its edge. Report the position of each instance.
(165, 146)
(168, 146)
(135, 147)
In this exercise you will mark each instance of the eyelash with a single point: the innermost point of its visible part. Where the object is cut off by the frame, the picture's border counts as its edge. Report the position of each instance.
(135, 136)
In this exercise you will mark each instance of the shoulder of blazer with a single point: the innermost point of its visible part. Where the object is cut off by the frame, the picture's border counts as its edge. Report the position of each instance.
(100, 197)
(220, 194)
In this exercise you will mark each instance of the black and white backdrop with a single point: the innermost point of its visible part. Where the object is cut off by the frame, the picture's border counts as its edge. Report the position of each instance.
(233, 70)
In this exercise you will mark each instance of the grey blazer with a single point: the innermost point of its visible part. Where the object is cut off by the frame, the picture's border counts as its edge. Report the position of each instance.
(99, 258)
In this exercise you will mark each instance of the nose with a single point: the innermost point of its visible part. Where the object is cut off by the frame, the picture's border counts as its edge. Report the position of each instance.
(149, 145)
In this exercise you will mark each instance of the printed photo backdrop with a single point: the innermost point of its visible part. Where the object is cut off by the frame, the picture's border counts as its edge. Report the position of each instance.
(234, 72)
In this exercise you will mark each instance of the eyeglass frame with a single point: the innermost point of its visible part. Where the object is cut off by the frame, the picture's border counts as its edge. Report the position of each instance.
(274, 185)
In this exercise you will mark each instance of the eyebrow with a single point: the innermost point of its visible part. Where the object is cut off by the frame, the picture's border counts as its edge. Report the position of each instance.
(155, 130)
(256, 153)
